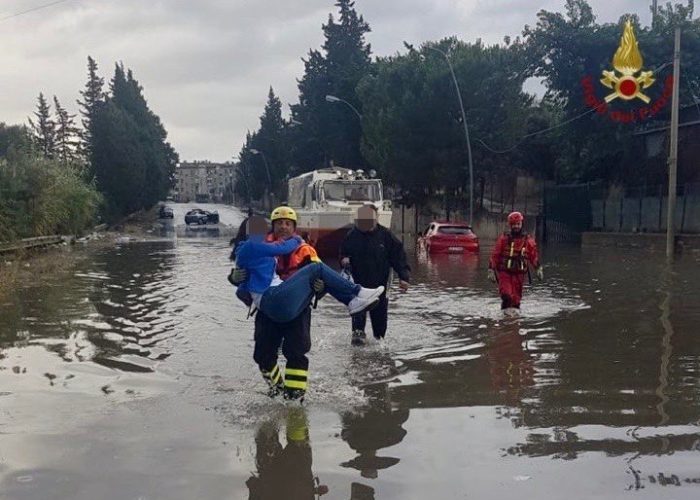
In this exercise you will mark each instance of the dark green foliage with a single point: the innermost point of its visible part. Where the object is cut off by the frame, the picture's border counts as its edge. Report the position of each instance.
(564, 48)
(67, 138)
(93, 95)
(332, 131)
(40, 196)
(44, 128)
(132, 162)
(272, 141)
(412, 127)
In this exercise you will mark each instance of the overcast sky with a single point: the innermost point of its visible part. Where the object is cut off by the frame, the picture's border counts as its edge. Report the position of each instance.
(206, 65)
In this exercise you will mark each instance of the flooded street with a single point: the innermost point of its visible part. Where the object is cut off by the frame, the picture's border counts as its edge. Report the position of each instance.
(130, 375)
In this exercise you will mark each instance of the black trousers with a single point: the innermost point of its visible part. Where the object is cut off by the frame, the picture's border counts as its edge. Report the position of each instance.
(294, 337)
(378, 316)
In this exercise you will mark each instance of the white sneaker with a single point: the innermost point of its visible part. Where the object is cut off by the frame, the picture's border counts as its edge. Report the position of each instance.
(366, 298)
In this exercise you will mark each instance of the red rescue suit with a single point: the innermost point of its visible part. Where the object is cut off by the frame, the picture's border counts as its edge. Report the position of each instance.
(510, 259)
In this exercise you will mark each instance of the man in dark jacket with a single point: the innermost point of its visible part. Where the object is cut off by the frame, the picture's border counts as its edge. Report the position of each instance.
(370, 250)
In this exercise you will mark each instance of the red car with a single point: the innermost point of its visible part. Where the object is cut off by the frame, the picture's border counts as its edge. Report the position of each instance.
(449, 237)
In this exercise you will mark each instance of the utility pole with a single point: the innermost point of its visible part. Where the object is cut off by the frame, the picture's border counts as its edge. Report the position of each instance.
(466, 131)
(673, 151)
(654, 10)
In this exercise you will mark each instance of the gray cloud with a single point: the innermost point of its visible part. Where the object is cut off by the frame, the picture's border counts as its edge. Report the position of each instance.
(206, 66)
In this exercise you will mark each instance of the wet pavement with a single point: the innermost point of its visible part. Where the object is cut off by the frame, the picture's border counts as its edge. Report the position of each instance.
(130, 376)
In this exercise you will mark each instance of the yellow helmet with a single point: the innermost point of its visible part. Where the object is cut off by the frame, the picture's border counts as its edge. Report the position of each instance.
(283, 212)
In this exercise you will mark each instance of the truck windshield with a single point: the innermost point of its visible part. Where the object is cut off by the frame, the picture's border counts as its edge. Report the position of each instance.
(351, 191)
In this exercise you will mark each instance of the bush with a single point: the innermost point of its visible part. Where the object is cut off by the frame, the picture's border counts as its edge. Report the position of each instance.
(41, 197)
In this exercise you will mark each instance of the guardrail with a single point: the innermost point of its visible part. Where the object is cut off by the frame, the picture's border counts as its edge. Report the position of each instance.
(27, 243)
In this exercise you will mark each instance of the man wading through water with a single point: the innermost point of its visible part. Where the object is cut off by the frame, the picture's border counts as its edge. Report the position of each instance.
(515, 251)
(370, 251)
(294, 336)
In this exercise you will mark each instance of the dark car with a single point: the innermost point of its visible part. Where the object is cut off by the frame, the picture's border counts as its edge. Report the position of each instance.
(199, 216)
(449, 237)
(165, 212)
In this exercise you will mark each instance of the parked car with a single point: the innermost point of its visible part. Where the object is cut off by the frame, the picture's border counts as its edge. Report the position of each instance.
(165, 212)
(449, 237)
(199, 216)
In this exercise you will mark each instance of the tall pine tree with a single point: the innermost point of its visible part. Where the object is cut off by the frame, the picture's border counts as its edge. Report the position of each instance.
(272, 141)
(67, 135)
(44, 128)
(134, 164)
(92, 96)
(332, 130)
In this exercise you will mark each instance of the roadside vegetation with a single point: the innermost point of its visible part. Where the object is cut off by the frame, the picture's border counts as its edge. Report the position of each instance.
(61, 177)
(401, 115)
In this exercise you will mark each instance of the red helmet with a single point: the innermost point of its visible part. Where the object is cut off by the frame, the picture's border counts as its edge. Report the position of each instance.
(515, 217)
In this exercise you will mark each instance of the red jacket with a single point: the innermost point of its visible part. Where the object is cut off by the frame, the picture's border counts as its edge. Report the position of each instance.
(513, 253)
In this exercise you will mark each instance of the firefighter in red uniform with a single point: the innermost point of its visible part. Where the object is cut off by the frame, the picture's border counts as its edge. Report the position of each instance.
(514, 253)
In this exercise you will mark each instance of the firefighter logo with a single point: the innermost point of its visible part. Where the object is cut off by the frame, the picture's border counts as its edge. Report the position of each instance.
(627, 63)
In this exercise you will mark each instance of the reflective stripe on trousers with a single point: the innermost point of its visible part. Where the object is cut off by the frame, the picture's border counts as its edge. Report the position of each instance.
(295, 378)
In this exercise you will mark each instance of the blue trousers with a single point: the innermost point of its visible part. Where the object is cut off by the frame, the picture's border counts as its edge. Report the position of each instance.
(288, 300)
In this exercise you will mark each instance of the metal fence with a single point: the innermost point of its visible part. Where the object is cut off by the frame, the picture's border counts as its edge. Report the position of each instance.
(645, 209)
(498, 195)
(573, 209)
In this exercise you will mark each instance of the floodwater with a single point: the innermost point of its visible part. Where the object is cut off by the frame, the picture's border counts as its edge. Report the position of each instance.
(130, 376)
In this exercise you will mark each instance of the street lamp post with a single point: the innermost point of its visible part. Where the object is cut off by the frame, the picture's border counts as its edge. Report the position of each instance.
(332, 98)
(244, 175)
(269, 179)
(466, 133)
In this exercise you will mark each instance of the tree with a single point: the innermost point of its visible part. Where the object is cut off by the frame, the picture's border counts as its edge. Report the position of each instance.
(120, 167)
(67, 135)
(413, 129)
(271, 140)
(159, 155)
(133, 163)
(332, 131)
(252, 180)
(38, 195)
(14, 140)
(564, 48)
(44, 128)
(92, 96)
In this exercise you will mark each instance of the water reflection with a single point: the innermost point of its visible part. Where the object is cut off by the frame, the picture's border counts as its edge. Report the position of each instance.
(284, 471)
(451, 269)
(372, 428)
(603, 360)
(510, 364)
(115, 308)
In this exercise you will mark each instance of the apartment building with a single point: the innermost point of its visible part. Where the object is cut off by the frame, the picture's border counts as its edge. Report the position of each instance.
(204, 181)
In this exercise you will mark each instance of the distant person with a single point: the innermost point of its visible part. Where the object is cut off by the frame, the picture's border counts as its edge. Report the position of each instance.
(357, 194)
(242, 233)
(513, 255)
(370, 250)
(281, 300)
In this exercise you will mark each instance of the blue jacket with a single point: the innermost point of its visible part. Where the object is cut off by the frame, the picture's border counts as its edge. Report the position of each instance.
(258, 258)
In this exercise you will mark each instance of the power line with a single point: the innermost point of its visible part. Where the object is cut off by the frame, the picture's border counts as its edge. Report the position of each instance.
(33, 9)
(522, 139)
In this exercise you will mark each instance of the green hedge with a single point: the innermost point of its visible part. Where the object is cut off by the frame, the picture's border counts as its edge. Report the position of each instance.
(41, 197)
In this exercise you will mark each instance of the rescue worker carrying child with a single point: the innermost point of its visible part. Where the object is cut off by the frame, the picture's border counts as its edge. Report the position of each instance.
(294, 336)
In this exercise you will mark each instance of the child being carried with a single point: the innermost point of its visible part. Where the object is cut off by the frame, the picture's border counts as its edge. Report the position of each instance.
(283, 301)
